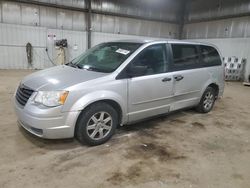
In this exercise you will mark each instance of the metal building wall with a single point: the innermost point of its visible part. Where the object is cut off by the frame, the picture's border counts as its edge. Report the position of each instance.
(23, 22)
(165, 10)
(13, 39)
(223, 23)
(200, 10)
(129, 26)
(225, 28)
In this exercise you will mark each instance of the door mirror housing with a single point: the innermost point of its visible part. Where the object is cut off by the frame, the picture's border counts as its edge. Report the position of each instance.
(135, 71)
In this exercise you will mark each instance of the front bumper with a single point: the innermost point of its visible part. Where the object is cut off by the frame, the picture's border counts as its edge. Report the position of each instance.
(49, 123)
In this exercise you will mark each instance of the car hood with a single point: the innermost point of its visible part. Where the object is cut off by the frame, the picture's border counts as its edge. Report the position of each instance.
(59, 78)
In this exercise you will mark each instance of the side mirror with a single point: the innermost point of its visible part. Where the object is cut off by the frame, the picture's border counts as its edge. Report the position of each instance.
(134, 71)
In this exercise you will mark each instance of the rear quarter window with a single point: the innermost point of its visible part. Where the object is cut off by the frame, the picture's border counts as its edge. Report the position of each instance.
(210, 56)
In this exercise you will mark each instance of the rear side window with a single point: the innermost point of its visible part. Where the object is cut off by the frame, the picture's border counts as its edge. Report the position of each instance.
(185, 56)
(210, 56)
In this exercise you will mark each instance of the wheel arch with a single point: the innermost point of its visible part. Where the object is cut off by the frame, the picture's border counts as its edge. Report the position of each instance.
(213, 84)
(215, 87)
(111, 102)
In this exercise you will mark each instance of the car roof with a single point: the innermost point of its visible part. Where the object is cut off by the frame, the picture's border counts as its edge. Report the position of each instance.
(154, 41)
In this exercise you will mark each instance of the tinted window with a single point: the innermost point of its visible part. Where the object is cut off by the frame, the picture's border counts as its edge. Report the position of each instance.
(154, 58)
(210, 56)
(185, 56)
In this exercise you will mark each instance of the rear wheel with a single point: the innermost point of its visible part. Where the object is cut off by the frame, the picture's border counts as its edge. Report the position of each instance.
(96, 124)
(207, 100)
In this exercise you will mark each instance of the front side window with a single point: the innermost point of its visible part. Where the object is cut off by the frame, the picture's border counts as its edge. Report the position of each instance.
(210, 56)
(185, 56)
(105, 57)
(153, 58)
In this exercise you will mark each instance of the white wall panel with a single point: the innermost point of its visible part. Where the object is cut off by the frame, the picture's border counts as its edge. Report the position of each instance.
(12, 57)
(15, 57)
(48, 17)
(79, 21)
(225, 28)
(96, 22)
(129, 26)
(64, 19)
(169, 31)
(30, 15)
(99, 37)
(20, 35)
(108, 24)
(1, 12)
(13, 39)
(239, 27)
(11, 12)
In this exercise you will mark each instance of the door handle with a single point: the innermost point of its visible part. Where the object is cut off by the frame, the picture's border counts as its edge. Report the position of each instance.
(178, 77)
(166, 79)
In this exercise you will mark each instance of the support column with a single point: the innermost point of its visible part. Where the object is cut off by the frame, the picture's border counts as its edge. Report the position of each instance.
(89, 29)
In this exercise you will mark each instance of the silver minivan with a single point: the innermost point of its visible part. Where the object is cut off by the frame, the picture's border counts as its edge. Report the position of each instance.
(117, 83)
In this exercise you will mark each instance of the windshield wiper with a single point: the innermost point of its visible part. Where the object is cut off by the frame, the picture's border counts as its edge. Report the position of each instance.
(73, 65)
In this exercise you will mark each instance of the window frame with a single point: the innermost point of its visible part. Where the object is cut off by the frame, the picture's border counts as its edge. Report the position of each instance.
(123, 74)
(202, 60)
(201, 63)
(174, 68)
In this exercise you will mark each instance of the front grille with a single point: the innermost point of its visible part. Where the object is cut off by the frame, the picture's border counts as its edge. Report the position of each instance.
(23, 94)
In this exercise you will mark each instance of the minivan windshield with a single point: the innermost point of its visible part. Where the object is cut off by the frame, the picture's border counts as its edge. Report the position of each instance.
(105, 57)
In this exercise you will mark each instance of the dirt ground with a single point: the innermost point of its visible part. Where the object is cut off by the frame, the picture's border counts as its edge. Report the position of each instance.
(184, 149)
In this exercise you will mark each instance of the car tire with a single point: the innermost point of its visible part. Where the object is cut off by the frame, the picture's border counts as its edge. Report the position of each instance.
(96, 124)
(207, 101)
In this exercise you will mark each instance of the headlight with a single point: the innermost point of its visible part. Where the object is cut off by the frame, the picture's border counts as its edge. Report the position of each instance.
(51, 98)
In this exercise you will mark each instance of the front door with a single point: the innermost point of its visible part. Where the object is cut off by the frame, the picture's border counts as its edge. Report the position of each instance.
(150, 94)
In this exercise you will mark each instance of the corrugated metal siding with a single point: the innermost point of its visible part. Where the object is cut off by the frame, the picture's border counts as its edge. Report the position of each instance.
(212, 9)
(13, 40)
(48, 17)
(1, 19)
(71, 20)
(157, 9)
(79, 21)
(23, 23)
(30, 15)
(226, 28)
(11, 34)
(99, 37)
(13, 51)
(64, 19)
(120, 25)
(7, 11)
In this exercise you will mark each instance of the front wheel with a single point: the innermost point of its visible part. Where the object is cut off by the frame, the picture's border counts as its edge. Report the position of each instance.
(96, 124)
(207, 101)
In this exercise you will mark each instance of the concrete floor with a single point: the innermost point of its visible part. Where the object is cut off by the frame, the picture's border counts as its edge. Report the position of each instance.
(184, 149)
